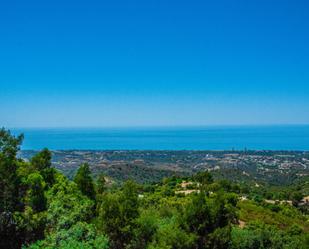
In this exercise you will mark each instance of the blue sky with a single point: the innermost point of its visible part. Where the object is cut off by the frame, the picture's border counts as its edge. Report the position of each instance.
(140, 63)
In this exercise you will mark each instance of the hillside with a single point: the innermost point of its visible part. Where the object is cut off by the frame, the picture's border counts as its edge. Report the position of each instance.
(42, 208)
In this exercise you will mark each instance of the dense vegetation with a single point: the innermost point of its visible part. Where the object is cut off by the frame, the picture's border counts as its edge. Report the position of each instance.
(42, 208)
(145, 166)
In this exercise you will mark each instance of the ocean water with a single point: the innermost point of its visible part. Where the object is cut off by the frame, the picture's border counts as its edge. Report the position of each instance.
(178, 138)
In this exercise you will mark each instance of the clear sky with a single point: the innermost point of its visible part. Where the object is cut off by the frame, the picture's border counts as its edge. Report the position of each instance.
(136, 63)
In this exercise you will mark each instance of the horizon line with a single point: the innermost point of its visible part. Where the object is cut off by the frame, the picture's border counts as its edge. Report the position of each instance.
(153, 126)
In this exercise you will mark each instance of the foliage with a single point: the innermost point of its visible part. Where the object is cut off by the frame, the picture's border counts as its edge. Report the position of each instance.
(259, 236)
(170, 235)
(67, 205)
(117, 214)
(35, 197)
(286, 217)
(210, 217)
(79, 236)
(9, 181)
(84, 181)
(42, 208)
(9, 188)
(204, 178)
(101, 184)
(42, 160)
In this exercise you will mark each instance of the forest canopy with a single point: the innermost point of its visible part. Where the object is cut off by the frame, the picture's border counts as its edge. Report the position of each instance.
(41, 208)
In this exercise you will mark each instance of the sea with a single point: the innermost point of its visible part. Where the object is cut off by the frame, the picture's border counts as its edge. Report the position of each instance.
(288, 137)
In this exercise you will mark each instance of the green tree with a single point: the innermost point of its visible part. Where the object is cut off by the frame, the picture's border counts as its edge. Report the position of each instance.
(197, 218)
(9, 144)
(84, 181)
(204, 178)
(296, 197)
(147, 225)
(42, 160)
(101, 184)
(9, 181)
(100, 191)
(170, 235)
(67, 205)
(35, 197)
(68, 215)
(257, 236)
(9, 188)
(210, 218)
(118, 213)
(80, 236)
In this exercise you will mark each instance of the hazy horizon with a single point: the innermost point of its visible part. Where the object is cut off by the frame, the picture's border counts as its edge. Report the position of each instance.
(157, 126)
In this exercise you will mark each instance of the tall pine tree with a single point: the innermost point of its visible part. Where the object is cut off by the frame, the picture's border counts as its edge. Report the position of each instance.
(84, 181)
(9, 188)
(42, 162)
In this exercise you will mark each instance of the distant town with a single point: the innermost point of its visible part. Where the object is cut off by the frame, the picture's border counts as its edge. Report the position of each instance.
(148, 166)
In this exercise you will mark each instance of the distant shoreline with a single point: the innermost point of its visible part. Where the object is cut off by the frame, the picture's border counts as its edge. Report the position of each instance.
(176, 151)
(164, 127)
